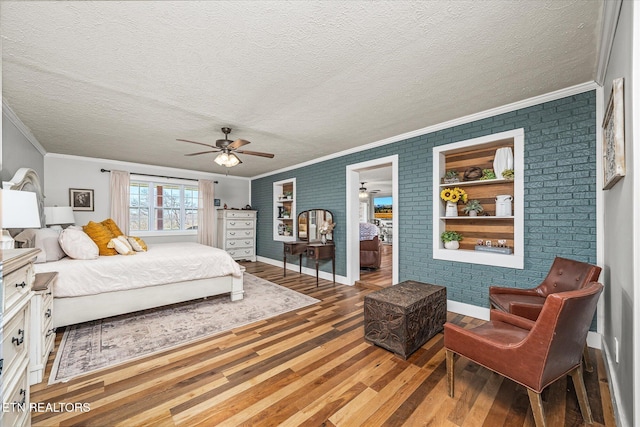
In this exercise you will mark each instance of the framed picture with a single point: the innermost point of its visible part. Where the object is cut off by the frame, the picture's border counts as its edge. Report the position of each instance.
(81, 199)
(613, 136)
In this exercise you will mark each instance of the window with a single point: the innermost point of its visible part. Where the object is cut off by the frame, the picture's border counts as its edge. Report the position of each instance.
(155, 206)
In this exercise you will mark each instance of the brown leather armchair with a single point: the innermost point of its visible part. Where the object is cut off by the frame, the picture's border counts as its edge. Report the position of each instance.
(564, 275)
(370, 253)
(533, 354)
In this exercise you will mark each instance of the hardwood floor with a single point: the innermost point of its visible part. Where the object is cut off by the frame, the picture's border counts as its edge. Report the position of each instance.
(382, 277)
(309, 367)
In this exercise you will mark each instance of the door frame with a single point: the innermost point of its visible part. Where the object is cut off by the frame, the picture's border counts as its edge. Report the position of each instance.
(353, 217)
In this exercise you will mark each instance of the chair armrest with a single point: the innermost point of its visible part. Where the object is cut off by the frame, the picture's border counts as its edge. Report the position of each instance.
(528, 311)
(512, 319)
(514, 291)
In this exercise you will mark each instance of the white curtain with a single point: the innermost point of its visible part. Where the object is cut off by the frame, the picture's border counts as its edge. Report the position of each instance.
(120, 199)
(206, 213)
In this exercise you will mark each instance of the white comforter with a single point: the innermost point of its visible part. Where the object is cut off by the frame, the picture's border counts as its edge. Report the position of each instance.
(162, 263)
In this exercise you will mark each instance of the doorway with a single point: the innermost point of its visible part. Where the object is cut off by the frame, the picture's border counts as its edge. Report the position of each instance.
(380, 178)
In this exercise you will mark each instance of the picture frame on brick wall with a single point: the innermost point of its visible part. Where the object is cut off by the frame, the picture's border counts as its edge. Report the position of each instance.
(613, 136)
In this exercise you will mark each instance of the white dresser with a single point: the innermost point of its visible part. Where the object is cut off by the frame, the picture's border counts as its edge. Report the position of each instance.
(237, 233)
(18, 277)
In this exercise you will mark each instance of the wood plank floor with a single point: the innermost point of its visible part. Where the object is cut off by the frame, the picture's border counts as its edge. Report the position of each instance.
(310, 367)
(383, 276)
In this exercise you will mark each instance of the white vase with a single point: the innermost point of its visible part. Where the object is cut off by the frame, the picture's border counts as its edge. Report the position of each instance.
(473, 213)
(454, 244)
(323, 239)
(502, 161)
(451, 209)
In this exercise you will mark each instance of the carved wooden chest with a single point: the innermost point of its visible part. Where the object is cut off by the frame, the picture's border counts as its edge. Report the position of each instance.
(403, 317)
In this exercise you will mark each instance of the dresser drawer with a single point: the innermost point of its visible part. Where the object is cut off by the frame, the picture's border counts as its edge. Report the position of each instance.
(239, 214)
(239, 234)
(240, 253)
(239, 243)
(16, 285)
(15, 340)
(240, 223)
(15, 400)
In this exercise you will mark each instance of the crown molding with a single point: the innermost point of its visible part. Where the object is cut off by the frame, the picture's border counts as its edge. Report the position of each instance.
(551, 96)
(610, 14)
(166, 169)
(24, 130)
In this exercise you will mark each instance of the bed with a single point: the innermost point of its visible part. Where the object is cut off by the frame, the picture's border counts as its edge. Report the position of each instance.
(167, 273)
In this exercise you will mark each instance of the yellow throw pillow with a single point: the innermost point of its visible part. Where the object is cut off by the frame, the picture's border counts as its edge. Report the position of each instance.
(121, 247)
(137, 244)
(101, 236)
(113, 227)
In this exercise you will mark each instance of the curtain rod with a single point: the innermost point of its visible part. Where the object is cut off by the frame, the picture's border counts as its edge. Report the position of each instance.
(157, 176)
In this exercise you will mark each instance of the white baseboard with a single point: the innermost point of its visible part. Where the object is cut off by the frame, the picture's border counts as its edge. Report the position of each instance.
(594, 339)
(614, 386)
(305, 270)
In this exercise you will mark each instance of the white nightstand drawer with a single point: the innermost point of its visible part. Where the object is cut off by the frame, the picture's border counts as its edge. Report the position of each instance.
(16, 285)
(14, 341)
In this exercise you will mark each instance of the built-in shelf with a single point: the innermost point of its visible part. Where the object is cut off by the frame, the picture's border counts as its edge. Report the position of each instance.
(284, 200)
(480, 152)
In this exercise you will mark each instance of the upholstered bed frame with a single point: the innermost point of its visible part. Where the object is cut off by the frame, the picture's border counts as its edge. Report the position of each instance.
(71, 310)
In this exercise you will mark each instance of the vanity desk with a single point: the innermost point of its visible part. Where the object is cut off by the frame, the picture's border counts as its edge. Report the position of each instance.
(309, 241)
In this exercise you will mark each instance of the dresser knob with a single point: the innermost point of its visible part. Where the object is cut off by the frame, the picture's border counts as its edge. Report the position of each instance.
(50, 331)
(232, 233)
(232, 243)
(47, 313)
(21, 285)
(19, 339)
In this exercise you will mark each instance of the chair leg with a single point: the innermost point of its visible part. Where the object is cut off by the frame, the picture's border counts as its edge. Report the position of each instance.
(536, 407)
(588, 366)
(450, 372)
(581, 391)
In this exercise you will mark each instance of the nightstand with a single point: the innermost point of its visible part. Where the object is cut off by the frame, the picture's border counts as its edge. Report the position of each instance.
(43, 333)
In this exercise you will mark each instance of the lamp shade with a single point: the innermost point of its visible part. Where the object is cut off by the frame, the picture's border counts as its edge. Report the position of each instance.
(227, 159)
(19, 209)
(56, 215)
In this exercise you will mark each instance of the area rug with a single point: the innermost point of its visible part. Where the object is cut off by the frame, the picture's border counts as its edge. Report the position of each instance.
(95, 345)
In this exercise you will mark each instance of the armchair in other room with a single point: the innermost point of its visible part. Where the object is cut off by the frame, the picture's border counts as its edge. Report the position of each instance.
(533, 354)
(370, 246)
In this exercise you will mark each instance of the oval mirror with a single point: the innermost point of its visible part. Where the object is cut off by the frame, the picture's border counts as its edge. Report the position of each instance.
(310, 222)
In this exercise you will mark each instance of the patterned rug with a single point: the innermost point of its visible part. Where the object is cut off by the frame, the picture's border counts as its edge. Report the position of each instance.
(99, 344)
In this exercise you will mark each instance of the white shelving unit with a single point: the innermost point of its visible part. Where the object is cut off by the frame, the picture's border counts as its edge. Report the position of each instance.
(284, 210)
(477, 152)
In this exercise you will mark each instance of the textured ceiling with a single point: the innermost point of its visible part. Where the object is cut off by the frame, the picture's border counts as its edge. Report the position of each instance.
(123, 80)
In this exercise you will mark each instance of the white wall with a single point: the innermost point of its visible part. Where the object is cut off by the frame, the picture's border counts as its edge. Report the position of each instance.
(619, 258)
(17, 150)
(63, 172)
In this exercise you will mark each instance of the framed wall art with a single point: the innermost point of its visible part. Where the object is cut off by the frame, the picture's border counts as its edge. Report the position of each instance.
(613, 136)
(81, 199)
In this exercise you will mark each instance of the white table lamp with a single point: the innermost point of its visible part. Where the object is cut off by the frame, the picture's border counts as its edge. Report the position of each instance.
(19, 210)
(55, 216)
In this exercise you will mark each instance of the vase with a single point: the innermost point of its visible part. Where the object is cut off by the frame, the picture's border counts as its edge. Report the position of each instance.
(323, 239)
(454, 244)
(473, 213)
(451, 209)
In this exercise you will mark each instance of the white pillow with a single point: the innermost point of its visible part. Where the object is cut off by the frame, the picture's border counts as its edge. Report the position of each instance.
(47, 241)
(77, 244)
(122, 247)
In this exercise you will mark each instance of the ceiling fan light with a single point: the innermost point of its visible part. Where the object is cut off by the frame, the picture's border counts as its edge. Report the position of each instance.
(227, 159)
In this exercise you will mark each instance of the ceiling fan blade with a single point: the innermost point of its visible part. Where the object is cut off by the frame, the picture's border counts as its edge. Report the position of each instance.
(238, 143)
(195, 142)
(201, 152)
(255, 153)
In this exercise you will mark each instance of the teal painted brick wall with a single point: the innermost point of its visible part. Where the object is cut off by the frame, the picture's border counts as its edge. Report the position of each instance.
(559, 190)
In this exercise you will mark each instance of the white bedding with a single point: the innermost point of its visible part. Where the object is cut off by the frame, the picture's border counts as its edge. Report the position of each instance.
(162, 263)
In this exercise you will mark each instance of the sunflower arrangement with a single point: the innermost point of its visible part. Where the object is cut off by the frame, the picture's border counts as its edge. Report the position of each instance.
(454, 195)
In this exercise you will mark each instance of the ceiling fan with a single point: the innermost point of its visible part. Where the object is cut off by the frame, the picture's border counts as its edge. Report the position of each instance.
(227, 149)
